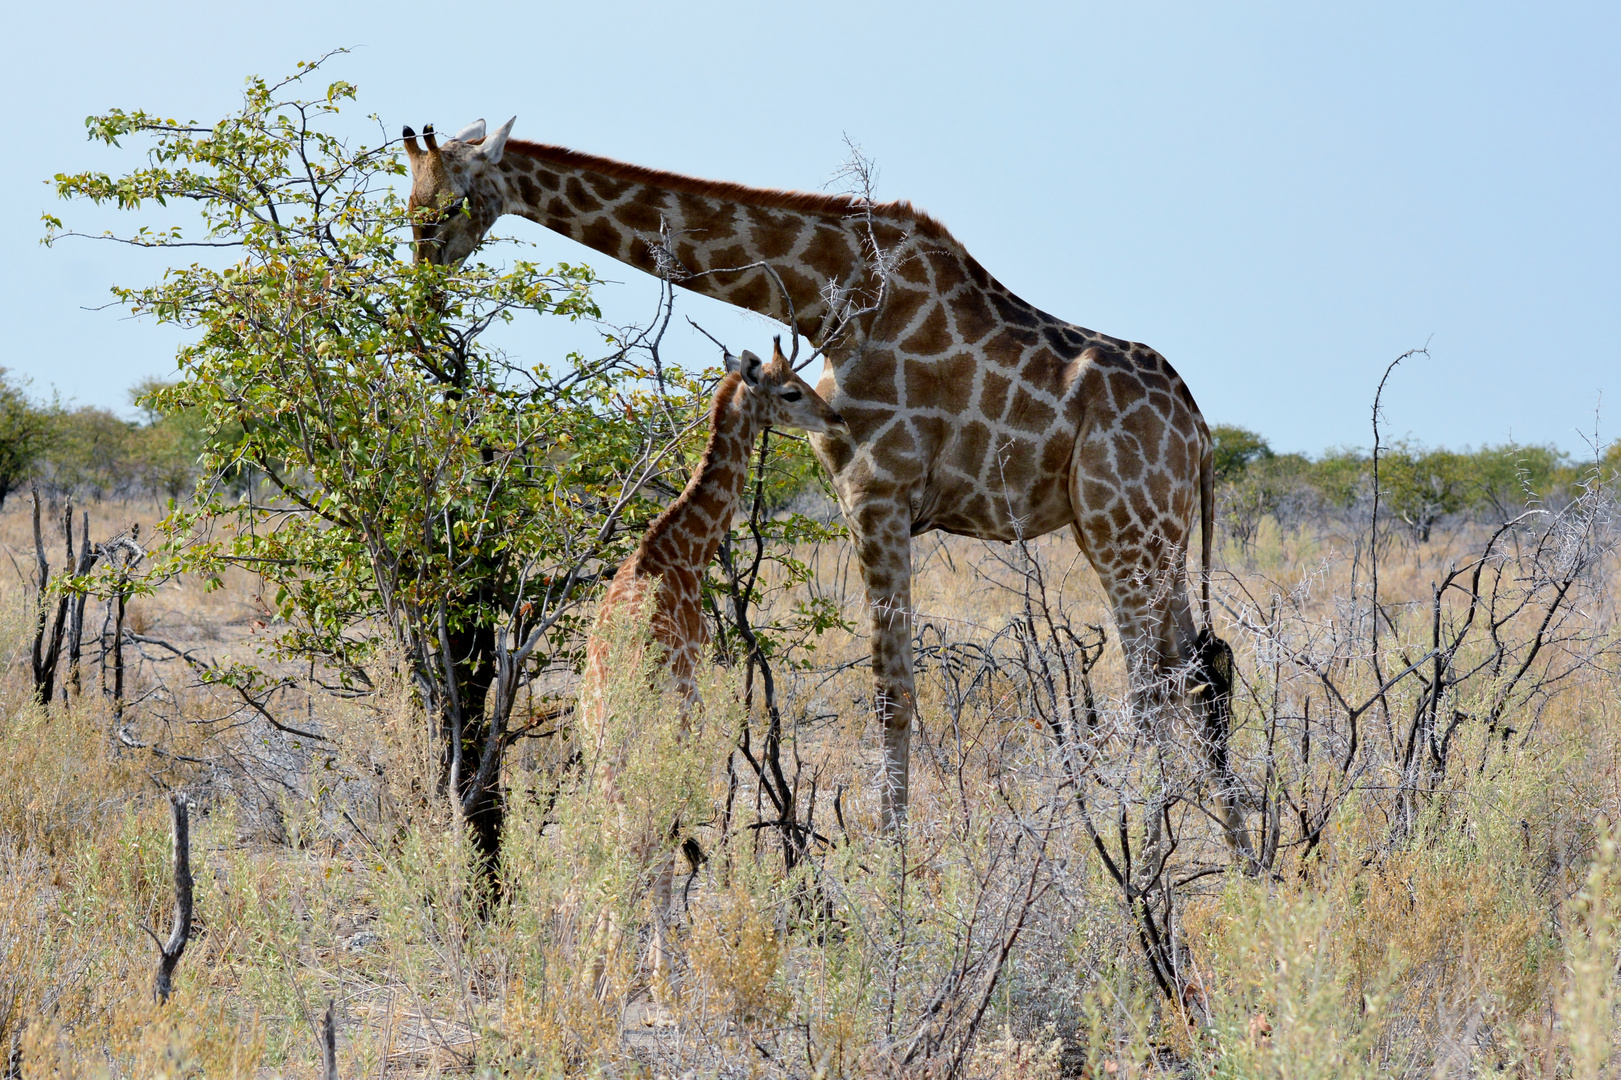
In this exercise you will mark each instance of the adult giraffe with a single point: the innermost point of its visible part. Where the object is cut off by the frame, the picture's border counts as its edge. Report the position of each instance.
(968, 409)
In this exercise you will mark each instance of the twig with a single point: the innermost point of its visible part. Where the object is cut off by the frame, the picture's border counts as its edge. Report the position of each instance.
(1373, 532)
(209, 673)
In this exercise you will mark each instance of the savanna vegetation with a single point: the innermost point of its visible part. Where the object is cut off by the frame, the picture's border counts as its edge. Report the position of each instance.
(344, 624)
(91, 454)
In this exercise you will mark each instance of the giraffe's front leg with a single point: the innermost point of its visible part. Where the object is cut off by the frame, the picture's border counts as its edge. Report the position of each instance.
(884, 546)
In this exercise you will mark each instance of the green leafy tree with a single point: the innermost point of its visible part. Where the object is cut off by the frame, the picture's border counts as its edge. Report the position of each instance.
(27, 432)
(425, 490)
(1236, 449)
(89, 454)
(166, 450)
(1422, 486)
(1503, 479)
(1277, 486)
(1340, 477)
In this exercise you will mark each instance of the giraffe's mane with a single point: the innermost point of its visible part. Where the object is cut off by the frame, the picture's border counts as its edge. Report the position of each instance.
(725, 391)
(809, 202)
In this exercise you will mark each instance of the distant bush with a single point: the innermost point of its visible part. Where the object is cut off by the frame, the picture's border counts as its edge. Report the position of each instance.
(91, 453)
(26, 431)
(1419, 486)
(1236, 450)
(89, 456)
(168, 447)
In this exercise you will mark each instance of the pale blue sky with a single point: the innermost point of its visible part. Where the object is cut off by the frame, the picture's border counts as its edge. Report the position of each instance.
(1279, 197)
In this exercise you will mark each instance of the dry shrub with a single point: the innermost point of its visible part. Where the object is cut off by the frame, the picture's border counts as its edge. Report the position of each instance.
(1450, 924)
(1432, 966)
(60, 779)
(1588, 1006)
(1447, 932)
(1009, 1058)
(734, 955)
(197, 1034)
(391, 747)
(77, 970)
(70, 853)
(1280, 957)
(585, 848)
(84, 865)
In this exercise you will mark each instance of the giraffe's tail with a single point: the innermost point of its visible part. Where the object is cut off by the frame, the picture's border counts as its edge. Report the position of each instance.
(1207, 527)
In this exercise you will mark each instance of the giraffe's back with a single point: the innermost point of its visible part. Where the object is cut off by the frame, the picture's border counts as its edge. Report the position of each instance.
(966, 402)
(676, 629)
(988, 447)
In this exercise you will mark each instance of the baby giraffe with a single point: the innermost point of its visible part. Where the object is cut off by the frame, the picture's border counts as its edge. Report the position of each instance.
(667, 568)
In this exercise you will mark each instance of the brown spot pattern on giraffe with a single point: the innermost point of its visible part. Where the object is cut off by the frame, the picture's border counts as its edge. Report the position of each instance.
(993, 395)
(703, 220)
(1029, 413)
(1007, 347)
(640, 216)
(605, 236)
(1125, 391)
(797, 284)
(579, 198)
(974, 318)
(754, 291)
(1015, 312)
(1056, 456)
(607, 188)
(894, 445)
(933, 337)
(913, 272)
(1043, 370)
(870, 411)
(901, 311)
(828, 253)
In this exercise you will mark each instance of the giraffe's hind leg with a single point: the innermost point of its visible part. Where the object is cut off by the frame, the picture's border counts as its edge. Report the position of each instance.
(1134, 513)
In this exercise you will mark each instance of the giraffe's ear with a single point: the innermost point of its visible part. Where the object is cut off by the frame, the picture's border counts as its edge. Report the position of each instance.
(472, 131)
(494, 146)
(748, 365)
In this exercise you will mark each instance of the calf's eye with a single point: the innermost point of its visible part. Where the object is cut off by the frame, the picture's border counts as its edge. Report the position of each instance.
(792, 395)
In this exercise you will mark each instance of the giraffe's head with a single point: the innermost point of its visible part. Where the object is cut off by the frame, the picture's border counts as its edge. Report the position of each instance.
(458, 182)
(779, 397)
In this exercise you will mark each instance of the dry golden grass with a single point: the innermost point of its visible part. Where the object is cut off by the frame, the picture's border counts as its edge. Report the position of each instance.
(1482, 940)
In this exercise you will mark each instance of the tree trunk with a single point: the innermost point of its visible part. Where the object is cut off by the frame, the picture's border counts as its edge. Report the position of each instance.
(473, 667)
(118, 653)
(48, 633)
(87, 559)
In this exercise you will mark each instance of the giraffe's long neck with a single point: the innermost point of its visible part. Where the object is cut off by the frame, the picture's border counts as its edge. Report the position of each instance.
(689, 532)
(714, 230)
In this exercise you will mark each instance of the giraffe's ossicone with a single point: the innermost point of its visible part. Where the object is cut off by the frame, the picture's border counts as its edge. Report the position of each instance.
(968, 409)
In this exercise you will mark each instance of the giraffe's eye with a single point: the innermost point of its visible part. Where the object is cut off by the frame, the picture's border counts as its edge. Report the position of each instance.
(791, 395)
